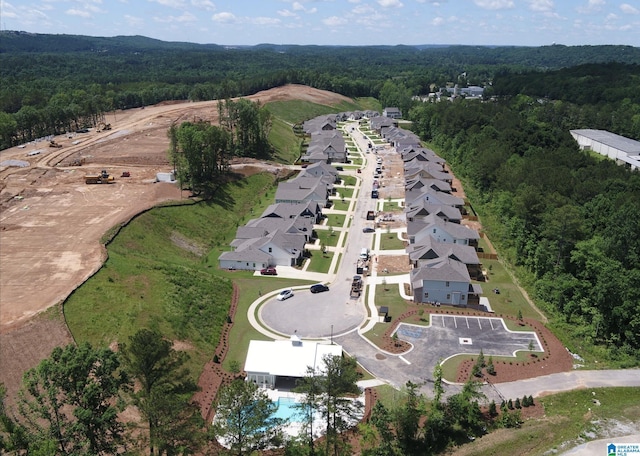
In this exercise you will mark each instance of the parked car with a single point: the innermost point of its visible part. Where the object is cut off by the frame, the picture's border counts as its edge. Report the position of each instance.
(319, 288)
(339, 168)
(368, 229)
(285, 294)
(269, 271)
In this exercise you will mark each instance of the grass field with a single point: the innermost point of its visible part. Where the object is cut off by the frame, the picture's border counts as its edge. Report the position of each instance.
(390, 241)
(320, 262)
(162, 274)
(328, 237)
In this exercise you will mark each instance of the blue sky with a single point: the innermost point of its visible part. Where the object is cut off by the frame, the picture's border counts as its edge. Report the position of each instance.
(336, 22)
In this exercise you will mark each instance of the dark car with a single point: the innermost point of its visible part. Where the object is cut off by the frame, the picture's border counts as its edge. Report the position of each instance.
(268, 271)
(319, 288)
(339, 168)
(368, 229)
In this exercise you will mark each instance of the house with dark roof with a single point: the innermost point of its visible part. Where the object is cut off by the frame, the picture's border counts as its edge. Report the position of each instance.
(311, 210)
(427, 195)
(381, 124)
(422, 184)
(320, 123)
(430, 249)
(392, 113)
(446, 281)
(276, 248)
(304, 189)
(422, 208)
(327, 147)
(441, 231)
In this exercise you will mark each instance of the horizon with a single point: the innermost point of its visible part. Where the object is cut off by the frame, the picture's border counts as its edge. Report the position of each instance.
(486, 23)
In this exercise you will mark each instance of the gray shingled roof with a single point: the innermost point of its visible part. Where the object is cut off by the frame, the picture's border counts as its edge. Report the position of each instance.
(442, 269)
(430, 248)
(456, 230)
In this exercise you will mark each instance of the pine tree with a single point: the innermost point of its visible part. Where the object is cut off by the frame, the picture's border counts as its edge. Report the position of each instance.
(491, 370)
(492, 409)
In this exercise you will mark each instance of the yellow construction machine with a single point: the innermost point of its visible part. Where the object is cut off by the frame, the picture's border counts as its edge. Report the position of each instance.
(102, 178)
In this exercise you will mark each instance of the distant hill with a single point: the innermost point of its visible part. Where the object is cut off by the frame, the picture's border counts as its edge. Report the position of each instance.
(12, 41)
(543, 57)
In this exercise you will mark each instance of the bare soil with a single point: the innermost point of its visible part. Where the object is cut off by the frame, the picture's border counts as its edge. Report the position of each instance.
(51, 222)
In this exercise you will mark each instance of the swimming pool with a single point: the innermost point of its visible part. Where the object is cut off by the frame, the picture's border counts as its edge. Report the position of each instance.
(287, 410)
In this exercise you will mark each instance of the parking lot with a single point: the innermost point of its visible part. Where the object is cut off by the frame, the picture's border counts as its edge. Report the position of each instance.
(448, 335)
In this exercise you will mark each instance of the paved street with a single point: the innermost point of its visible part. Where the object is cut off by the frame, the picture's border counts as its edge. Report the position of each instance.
(334, 314)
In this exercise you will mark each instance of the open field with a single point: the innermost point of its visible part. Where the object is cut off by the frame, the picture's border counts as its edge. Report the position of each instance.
(51, 222)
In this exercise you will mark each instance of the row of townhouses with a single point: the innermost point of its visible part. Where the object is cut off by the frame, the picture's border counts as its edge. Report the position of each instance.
(279, 235)
(442, 251)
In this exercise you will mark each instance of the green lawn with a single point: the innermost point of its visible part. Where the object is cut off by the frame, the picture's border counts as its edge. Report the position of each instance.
(338, 205)
(320, 262)
(336, 220)
(329, 238)
(284, 141)
(390, 241)
(510, 300)
(349, 181)
(345, 192)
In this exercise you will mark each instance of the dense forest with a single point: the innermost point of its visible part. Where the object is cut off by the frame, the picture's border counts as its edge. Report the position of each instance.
(57, 83)
(567, 218)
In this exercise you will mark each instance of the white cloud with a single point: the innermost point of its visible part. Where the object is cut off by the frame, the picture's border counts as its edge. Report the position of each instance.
(628, 9)
(541, 5)
(436, 21)
(206, 5)
(178, 4)
(334, 21)
(592, 6)
(133, 21)
(362, 9)
(224, 18)
(297, 6)
(183, 18)
(78, 12)
(494, 4)
(287, 13)
(262, 20)
(390, 3)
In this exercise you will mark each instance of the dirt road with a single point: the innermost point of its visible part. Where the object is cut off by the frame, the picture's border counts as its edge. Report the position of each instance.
(51, 222)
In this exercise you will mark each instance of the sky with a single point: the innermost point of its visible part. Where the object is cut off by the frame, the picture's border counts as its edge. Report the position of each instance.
(336, 22)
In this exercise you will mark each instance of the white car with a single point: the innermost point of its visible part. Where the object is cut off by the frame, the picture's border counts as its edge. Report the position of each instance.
(285, 294)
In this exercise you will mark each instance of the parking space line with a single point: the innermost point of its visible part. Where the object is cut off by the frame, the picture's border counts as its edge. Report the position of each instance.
(491, 323)
(479, 324)
(455, 322)
(404, 359)
(467, 320)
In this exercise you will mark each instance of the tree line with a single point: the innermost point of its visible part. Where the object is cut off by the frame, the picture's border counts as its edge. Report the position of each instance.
(58, 83)
(566, 218)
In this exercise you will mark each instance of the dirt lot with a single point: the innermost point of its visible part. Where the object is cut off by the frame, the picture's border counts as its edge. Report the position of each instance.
(51, 222)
